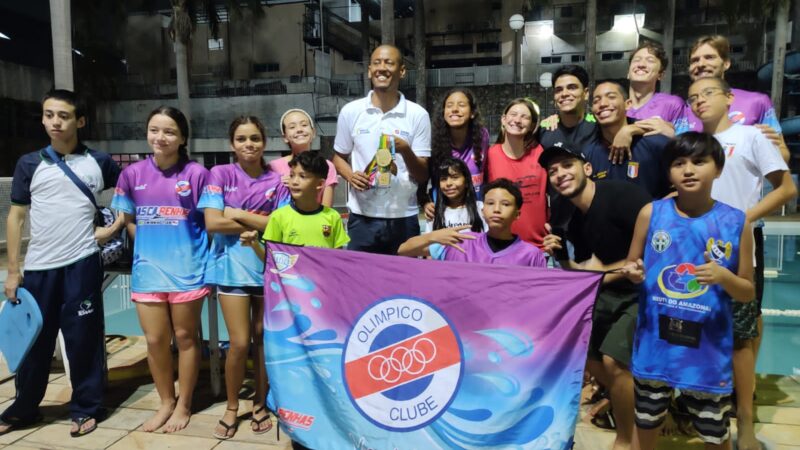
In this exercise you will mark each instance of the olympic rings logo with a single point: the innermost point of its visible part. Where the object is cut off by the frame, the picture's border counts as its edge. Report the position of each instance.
(402, 361)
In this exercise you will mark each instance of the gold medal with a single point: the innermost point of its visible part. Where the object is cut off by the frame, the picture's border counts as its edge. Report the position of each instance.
(383, 157)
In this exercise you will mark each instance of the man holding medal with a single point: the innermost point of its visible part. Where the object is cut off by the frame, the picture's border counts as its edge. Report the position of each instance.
(382, 145)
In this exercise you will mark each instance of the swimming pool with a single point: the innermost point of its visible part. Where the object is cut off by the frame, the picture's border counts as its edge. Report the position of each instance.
(780, 349)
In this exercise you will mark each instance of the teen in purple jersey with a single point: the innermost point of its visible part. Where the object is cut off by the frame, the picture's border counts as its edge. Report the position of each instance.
(655, 112)
(240, 197)
(458, 132)
(710, 57)
(498, 245)
(159, 198)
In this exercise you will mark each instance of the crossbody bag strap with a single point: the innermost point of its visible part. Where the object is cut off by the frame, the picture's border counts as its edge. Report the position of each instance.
(70, 174)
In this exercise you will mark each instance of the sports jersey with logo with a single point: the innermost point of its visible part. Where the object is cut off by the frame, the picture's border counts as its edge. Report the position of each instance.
(645, 166)
(748, 108)
(684, 333)
(749, 157)
(61, 216)
(171, 245)
(467, 154)
(229, 263)
(320, 228)
(519, 253)
(667, 107)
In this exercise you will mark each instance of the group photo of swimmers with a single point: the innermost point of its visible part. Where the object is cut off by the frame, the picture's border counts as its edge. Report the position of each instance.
(623, 179)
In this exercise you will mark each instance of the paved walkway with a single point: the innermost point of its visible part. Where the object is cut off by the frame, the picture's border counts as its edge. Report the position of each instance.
(132, 400)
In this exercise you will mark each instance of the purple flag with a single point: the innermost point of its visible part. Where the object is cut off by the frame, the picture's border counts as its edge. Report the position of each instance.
(371, 351)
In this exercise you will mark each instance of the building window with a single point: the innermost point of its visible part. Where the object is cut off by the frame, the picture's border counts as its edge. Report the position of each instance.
(612, 56)
(211, 159)
(566, 11)
(215, 44)
(266, 67)
(578, 58)
(126, 159)
(551, 59)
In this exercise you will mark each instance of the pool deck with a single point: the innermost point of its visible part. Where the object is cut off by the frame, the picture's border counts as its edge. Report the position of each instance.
(131, 399)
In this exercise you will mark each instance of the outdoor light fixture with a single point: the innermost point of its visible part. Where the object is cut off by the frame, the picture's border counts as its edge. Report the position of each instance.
(542, 28)
(516, 22)
(77, 52)
(5, 36)
(628, 22)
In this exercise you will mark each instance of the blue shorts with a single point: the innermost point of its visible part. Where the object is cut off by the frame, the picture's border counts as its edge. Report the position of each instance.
(241, 291)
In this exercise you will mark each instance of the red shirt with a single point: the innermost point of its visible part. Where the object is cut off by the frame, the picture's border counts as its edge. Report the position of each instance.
(531, 178)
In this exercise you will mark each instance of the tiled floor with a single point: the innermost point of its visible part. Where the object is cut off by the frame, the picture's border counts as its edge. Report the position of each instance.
(132, 400)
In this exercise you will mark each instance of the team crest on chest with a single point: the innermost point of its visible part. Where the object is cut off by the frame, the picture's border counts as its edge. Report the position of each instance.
(326, 230)
(183, 188)
(718, 249)
(633, 169)
(661, 241)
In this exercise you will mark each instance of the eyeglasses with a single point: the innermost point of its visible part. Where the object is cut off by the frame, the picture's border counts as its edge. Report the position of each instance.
(705, 93)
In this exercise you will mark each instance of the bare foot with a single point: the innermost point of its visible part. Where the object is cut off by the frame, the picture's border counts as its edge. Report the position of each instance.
(178, 420)
(746, 437)
(159, 418)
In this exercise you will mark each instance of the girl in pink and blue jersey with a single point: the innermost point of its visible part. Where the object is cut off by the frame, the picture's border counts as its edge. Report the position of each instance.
(240, 197)
(159, 199)
(298, 133)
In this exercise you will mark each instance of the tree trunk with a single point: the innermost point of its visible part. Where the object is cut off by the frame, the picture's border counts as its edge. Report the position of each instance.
(387, 22)
(61, 29)
(365, 53)
(591, 38)
(420, 51)
(669, 41)
(796, 26)
(779, 54)
(182, 72)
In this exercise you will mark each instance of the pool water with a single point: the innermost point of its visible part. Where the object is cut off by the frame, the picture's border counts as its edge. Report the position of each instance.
(121, 316)
(780, 348)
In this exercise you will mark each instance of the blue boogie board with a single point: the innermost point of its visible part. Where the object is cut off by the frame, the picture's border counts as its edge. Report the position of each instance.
(20, 325)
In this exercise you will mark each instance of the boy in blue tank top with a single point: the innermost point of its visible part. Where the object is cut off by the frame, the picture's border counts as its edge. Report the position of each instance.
(697, 261)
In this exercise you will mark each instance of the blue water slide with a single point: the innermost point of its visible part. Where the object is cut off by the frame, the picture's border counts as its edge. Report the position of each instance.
(791, 71)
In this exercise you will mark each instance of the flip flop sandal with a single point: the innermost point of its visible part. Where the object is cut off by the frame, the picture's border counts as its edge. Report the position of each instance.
(81, 422)
(228, 427)
(11, 427)
(258, 422)
(18, 424)
(604, 421)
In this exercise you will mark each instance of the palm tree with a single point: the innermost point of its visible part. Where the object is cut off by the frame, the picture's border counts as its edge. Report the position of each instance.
(669, 41)
(180, 30)
(184, 16)
(591, 38)
(763, 10)
(420, 53)
(61, 29)
(387, 22)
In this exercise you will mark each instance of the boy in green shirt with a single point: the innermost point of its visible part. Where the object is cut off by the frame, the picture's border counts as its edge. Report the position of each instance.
(305, 221)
